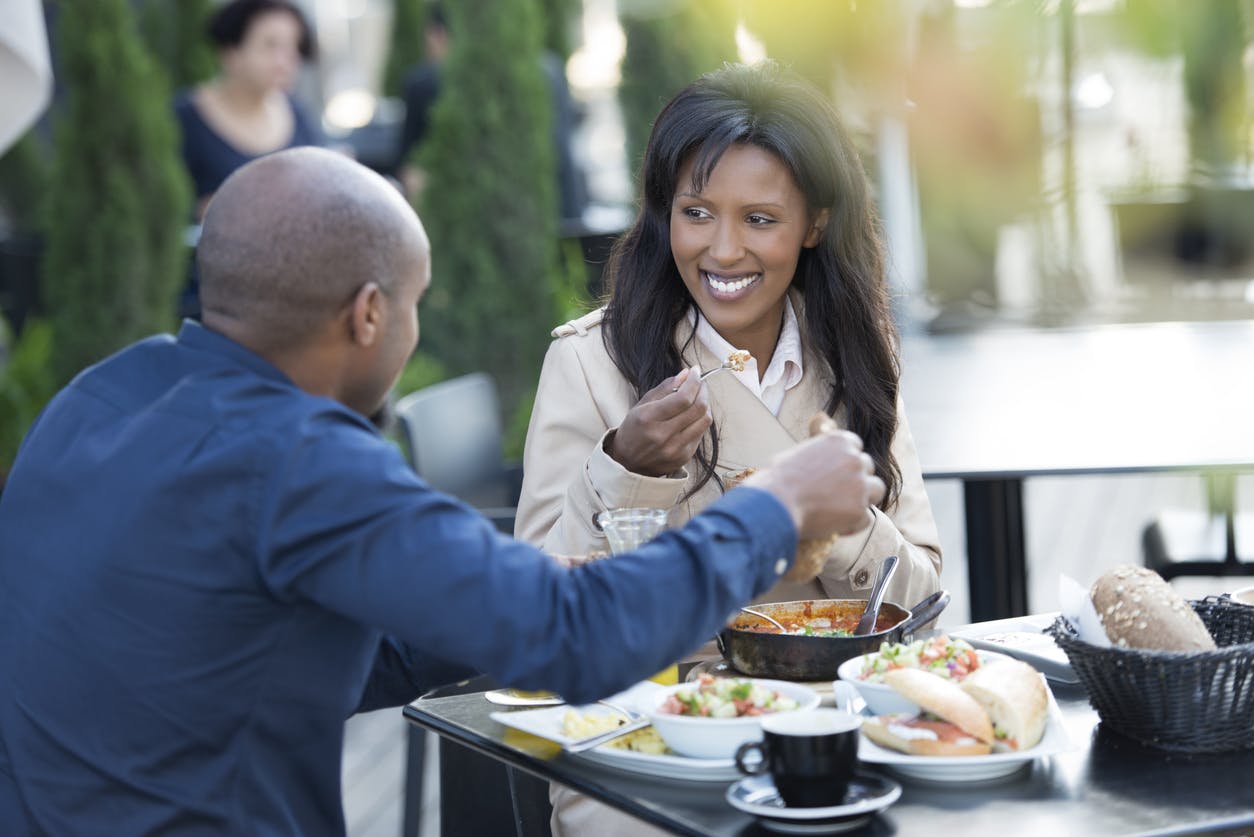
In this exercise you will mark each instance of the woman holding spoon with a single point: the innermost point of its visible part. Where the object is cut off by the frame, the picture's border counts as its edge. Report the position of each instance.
(756, 233)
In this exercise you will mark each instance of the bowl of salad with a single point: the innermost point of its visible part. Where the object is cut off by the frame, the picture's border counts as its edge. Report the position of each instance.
(710, 718)
(952, 659)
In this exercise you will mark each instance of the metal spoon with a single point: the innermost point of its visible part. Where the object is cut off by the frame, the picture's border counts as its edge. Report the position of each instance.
(866, 625)
(782, 629)
(727, 364)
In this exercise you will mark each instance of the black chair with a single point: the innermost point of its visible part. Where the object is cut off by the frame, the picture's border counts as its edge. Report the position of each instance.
(453, 434)
(1201, 543)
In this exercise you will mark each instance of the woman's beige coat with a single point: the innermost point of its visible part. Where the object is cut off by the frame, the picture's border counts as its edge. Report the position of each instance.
(568, 477)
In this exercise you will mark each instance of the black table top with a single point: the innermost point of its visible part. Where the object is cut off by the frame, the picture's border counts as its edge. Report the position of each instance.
(1106, 785)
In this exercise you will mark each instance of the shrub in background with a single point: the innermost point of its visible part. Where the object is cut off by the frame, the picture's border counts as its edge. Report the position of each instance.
(560, 19)
(489, 204)
(407, 48)
(118, 197)
(25, 385)
(174, 31)
(668, 47)
(23, 179)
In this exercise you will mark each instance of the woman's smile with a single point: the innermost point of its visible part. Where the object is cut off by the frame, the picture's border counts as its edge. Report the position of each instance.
(730, 286)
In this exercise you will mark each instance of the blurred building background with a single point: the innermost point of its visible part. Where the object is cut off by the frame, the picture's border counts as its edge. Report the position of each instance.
(1038, 163)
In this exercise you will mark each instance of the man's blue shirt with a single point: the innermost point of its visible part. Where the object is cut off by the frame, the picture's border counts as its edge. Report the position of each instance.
(205, 570)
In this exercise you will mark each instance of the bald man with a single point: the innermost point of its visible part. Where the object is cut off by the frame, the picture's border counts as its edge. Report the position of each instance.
(209, 558)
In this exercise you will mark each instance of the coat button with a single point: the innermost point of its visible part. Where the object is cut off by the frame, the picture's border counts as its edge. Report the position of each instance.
(861, 578)
(781, 566)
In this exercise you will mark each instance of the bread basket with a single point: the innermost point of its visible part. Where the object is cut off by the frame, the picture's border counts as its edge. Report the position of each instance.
(1189, 702)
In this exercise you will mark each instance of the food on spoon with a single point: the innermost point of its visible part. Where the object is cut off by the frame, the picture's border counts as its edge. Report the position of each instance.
(952, 659)
(1016, 700)
(1139, 609)
(580, 725)
(737, 359)
(725, 697)
(952, 722)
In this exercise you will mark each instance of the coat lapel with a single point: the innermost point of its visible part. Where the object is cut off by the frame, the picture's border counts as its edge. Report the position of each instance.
(749, 434)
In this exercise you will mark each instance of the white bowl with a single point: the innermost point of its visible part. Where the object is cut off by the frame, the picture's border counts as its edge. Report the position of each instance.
(718, 738)
(1245, 595)
(882, 699)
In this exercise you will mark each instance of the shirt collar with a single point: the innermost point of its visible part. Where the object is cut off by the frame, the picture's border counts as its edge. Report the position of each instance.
(786, 363)
(196, 336)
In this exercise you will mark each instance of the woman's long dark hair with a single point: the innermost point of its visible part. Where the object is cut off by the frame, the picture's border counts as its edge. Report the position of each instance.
(846, 321)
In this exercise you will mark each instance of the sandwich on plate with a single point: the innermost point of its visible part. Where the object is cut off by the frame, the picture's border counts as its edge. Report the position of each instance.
(952, 723)
(1016, 700)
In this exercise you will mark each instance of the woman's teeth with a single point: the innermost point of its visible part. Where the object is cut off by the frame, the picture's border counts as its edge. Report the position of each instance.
(725, 286)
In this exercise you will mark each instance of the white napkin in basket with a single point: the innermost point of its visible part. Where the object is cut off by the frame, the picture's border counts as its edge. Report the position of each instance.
(1077, 608)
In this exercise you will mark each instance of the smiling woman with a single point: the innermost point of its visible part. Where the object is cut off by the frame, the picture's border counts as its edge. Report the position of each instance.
(756, 236)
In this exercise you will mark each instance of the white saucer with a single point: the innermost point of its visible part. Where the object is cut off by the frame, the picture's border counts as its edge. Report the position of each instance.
(867, 794)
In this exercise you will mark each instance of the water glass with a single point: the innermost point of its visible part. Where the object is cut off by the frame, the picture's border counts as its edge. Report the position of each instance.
(626, 529)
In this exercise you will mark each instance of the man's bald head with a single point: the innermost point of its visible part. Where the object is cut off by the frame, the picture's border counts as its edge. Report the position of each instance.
(290, 238)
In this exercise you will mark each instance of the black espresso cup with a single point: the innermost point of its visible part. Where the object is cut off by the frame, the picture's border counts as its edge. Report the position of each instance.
(810, 755)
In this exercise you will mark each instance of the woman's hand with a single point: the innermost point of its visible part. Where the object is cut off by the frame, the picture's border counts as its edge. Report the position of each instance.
(660, 435)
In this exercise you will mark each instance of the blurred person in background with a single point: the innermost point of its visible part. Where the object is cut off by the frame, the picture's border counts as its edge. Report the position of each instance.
(756, 232)
(247, 110)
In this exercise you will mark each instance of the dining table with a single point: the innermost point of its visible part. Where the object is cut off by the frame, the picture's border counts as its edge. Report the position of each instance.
(996, 407)
(1095, 782)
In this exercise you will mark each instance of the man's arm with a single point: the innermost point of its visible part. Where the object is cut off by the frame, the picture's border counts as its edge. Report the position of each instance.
(349, 526)
(402, 673)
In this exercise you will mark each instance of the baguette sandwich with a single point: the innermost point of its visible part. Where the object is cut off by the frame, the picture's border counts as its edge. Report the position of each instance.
(1015, 698)
(952, 723)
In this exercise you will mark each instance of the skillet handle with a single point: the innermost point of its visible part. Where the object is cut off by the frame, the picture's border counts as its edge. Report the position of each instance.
(924, 612)
(721, 645)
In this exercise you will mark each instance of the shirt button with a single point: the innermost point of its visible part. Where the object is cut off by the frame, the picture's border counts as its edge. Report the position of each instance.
(861, 578)
(781, 566)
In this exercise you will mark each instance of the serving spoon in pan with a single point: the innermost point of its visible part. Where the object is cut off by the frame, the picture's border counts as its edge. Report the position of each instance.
(761, 615)
(866, 625)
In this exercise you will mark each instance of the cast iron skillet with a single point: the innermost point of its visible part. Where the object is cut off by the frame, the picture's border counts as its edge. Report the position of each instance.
(808, 658)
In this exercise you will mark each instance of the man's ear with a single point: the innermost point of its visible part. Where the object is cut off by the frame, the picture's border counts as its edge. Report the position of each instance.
(366, 315)
(816, 228)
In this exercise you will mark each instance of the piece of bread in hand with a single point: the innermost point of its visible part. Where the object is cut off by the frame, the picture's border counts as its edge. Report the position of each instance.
(960, 727)
(811, 552)
(1139, 609)
(1016, 700)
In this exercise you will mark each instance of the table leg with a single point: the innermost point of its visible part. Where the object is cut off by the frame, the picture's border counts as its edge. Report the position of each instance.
(997, 573)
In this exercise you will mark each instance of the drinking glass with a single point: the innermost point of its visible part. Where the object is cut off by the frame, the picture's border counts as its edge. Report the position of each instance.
(626, 529)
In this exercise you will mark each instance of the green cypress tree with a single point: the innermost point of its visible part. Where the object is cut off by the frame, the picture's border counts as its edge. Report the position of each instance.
(559, 20)
(407, 49)
(118, 196)
(174, 31)
(666, 50)
(490, 202)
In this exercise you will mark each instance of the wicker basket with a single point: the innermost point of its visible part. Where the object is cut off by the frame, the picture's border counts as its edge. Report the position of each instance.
(1191, 702)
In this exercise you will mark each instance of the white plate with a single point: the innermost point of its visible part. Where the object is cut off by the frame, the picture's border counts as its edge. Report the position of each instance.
(971, 768)
(1023, 637)
(881, 698)
(547, 723)
(868, 793)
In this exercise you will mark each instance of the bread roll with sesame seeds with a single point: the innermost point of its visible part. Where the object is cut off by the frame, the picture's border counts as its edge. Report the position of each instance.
(1140, 610)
